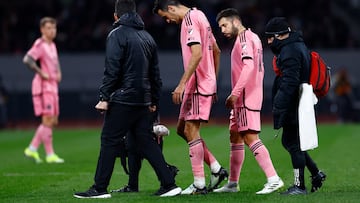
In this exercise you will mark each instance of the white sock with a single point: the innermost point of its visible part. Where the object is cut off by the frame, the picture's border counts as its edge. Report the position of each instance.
(215, 167)
(273, 179)
(199, 182)
(32, 148)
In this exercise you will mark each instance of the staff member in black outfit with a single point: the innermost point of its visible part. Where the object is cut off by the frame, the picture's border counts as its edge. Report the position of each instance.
(129, 92)
(293, 59)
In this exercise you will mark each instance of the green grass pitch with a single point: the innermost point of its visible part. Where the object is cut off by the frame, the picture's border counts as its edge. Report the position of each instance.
(21, 180)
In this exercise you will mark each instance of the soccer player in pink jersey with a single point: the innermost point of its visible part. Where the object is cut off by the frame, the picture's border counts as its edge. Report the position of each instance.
(45, 90)
(197, 88)
(245, 101)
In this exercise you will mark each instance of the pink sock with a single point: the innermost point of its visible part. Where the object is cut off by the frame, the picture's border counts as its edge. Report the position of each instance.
(237, 156)
(196, 152)
(36, 140)
(208, 156)
(48, 140)
(262, 156)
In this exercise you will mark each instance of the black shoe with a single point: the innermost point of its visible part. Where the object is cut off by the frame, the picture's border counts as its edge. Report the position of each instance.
(294, 190)
(126, 188)
(173, 169)
(92, 193)
(168, 192)
(216, 178)
(317, 181)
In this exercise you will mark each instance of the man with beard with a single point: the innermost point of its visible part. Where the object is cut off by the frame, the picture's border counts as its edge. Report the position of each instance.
(245, 101)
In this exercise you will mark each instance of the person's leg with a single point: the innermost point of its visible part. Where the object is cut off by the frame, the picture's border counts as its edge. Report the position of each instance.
(291, 142)
(150, 149)
(134, 162)
(210, 159)
(116, 124)
(263, 158)
(196, 152)
(31, 150)
(50, 120)
(261, 154)
(48, 123)
(237, 157)
(317, 176)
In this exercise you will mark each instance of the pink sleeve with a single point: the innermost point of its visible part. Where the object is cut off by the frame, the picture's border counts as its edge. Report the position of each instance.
(36, 50)
(248, 66)
(245, 75)
(192, 32)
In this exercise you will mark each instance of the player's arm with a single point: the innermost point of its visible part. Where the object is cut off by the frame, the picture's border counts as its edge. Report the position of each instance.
(196, 55)
(245, 76)
(59, 74)
(216, 53)
(31, 63)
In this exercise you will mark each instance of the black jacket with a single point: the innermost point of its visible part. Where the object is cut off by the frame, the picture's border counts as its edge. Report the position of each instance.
(293, 59)
(131, 74)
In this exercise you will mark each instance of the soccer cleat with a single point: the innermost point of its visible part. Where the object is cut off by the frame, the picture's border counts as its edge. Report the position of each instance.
(229, 187)
(126, 188)
(54, 159)
(294, 190)
(216, 178)
(317, 181)
(92, 193)
(33, 155)
(271, 187)
(168, 192)
(193, 190)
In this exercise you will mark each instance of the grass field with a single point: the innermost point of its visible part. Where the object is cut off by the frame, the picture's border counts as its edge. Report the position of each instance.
(21, 180)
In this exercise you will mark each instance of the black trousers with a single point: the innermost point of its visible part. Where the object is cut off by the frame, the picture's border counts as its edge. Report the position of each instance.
(119, 119)
(291, 142)
(134, 160)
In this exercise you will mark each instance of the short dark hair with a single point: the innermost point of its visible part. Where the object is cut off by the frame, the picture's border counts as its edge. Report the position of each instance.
(124, 6)
(45, 20)
(163, 4)
(228, 13)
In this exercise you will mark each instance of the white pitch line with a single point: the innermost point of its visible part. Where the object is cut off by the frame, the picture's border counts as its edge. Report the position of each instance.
(44, 174)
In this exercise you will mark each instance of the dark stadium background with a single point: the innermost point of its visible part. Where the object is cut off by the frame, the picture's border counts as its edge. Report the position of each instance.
(331, 27)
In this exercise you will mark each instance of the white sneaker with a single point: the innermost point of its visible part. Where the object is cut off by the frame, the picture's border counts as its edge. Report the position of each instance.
(193, 190)
(271, 187)
(228, 187)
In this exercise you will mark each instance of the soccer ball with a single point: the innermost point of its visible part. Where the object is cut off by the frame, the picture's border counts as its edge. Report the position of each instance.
(161, 130)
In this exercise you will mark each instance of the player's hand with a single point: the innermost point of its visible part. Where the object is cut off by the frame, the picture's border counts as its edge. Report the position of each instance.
(44, 76)
(102, 106)
(58, 77)
(215, 99)
(152, 108)
(230, 101)
(177, 94)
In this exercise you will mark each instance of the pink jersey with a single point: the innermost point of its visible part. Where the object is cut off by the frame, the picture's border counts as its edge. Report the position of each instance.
(47, 55)
(195, 28)
(247, 71)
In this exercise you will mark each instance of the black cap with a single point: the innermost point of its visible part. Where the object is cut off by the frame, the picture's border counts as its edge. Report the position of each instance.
(277, 25)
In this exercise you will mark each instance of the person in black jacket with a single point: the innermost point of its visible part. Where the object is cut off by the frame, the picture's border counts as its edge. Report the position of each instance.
(293, 59)
(129, 92)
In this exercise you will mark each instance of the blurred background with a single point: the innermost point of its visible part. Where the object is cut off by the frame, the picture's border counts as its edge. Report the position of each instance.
(330, 27)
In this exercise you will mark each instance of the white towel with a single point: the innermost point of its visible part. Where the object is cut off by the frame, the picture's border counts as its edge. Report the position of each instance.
(307, 122)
